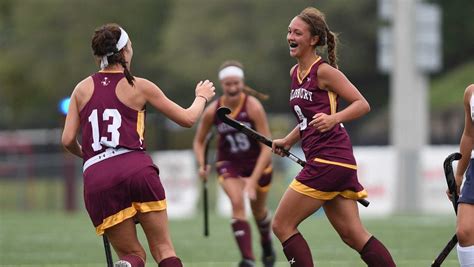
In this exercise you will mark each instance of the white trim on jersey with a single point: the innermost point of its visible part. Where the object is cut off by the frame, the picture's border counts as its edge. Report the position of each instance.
(107, 154)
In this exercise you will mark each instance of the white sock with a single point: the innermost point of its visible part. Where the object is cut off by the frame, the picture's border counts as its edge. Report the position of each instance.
(466, 256)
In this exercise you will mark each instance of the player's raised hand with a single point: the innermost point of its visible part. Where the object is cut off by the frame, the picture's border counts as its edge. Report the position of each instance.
(206, 90)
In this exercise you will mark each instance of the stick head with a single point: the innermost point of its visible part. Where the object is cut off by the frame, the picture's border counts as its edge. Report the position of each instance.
(222, 112)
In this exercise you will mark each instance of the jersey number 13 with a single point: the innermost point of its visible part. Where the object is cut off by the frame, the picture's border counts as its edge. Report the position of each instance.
(112, 128)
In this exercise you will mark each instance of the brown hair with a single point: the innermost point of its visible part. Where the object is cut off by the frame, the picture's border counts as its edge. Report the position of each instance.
(104, 41)
(318, 27)
(247, 89)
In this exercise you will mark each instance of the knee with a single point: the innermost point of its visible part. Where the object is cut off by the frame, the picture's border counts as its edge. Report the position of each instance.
(258, 211)
(281, 229)
(350, 237)
(238, 205)
(465, 234)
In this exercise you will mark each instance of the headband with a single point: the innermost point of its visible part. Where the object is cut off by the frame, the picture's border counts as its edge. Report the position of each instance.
(231, 71)
(121, 43)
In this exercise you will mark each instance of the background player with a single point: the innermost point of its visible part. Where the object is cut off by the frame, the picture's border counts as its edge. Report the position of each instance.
(242, 163)
(465, 218)
(120, 180)
(329, 179)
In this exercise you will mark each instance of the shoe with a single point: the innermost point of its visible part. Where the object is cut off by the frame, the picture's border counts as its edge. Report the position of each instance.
(122, 263)
(246, 263)
(268, 257)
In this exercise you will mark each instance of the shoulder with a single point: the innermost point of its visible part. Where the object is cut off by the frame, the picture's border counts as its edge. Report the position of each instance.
(469, 89)
(293, 69)
(144, 83)
(254, 106)
(468, 94)
(84, 87)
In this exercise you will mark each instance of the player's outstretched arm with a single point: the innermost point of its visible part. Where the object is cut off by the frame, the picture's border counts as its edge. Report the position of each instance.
(71, 127)
(185, 117)
(467, 139)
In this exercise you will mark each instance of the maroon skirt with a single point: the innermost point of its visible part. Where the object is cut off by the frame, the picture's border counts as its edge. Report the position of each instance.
(117, 188)
(234, 169)
(324, 179)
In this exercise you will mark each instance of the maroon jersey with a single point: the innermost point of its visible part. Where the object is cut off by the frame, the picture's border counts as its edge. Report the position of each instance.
(306, 100)
(233, 145)
(108, 123)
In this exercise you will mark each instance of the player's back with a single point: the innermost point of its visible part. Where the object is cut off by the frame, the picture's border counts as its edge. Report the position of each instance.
(106, 122)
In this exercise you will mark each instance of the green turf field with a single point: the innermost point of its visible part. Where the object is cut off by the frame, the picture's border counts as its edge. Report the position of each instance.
(59, 239)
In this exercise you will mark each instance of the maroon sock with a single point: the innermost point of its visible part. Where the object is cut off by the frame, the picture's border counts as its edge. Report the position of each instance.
(170, 262)
(134, 260)
(375, 254)
(264, 229)
(243, 236)
(297, 251)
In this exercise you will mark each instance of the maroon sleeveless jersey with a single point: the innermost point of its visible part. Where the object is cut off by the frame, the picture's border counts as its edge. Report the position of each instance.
(233, 145)
(306, 100)
(108, 123)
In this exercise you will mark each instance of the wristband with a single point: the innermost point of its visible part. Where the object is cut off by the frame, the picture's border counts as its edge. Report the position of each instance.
(202, 97)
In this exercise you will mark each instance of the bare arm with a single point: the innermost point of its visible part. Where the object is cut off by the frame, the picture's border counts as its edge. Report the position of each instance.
(333, 80)
(200, 137)
(258, 115)
(184, 117)
(467, 139)
(71, 127)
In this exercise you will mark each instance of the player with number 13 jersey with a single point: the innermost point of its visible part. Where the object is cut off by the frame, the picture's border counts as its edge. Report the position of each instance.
(121, 183)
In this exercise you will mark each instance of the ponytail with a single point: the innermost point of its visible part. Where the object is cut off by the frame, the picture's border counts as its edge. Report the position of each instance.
(250, 91)
(332, 47)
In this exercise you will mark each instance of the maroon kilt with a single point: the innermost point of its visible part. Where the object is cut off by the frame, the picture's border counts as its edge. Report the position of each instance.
(239, 169)
(117, 188)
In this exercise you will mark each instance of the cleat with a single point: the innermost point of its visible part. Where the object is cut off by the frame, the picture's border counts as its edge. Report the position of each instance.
(268, 257)
(246, 263)
(122, 263)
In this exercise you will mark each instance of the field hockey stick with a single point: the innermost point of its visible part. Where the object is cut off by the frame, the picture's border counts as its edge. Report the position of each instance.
(204, 185)
(451, 181)
(108, 252)
(222, 113)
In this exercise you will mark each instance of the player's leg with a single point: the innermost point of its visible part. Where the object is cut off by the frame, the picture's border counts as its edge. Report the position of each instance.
(263, 220)
(293, 208)
(155, 226)
(465, 234)
(234, 187)
(123, 238)
(343, 214)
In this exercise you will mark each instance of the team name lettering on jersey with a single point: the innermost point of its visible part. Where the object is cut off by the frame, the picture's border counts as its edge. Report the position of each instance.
(224, 128)
(302, 94)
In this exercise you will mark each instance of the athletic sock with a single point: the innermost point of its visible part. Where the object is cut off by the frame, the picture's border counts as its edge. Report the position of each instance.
(130, 260)
(297, 251)
(466, 256)
(243, 236)
(170, 262)
(264, 226)
(375, 254)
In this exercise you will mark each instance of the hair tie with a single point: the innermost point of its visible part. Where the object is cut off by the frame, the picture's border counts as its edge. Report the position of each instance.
(121, 43)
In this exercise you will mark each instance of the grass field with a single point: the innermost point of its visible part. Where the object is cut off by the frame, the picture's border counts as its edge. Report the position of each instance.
(59, 239)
